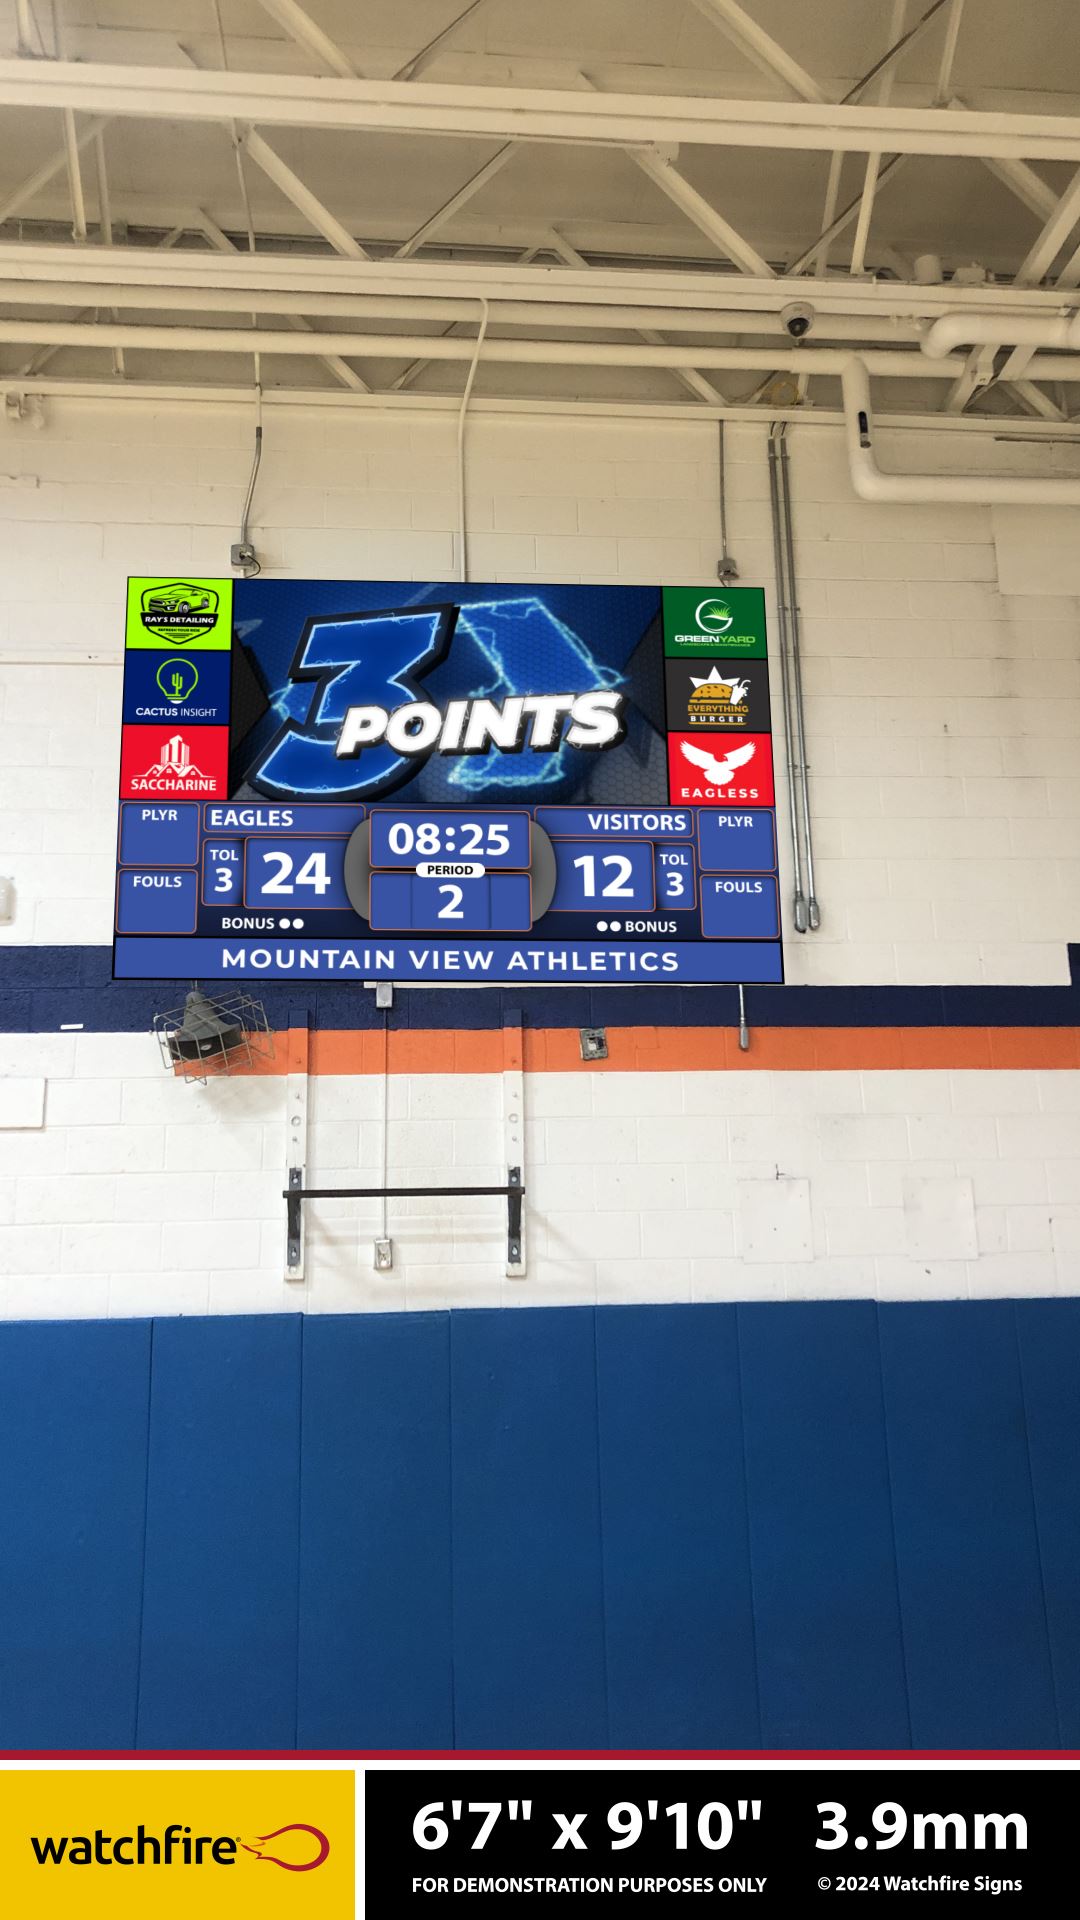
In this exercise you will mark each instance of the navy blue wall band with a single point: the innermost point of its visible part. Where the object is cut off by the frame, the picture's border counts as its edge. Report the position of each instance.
(44, 988)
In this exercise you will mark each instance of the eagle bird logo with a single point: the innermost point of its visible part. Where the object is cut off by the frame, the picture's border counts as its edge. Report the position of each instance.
(718, 772)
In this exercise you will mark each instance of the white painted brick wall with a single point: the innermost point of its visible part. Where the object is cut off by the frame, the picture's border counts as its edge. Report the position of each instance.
(944, 726)
(944, 715)
(641, 1186)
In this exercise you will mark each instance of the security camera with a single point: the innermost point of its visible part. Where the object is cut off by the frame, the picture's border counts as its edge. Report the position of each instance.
(798, 318)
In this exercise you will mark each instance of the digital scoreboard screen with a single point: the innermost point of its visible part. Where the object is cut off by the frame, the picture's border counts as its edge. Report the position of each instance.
(446, 782)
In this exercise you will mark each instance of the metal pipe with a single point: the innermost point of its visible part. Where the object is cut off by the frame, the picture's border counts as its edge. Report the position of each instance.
(744, 1030)
(955, 330)
(555, 353)
(870, 483)
(799, 898)
(813, 910)
(463, 560)
(672, 290)
(419, 308)
(1003, 427)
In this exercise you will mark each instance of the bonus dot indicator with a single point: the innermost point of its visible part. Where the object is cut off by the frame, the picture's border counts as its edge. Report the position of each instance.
(601, 926)
(861, 1841)
(285, 925)
(616, 926)
(297, 924)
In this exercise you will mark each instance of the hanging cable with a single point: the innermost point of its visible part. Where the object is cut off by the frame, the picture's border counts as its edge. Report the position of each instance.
(463, 559)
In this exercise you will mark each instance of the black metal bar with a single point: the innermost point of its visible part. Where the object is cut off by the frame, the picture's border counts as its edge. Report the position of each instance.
(389, 1193)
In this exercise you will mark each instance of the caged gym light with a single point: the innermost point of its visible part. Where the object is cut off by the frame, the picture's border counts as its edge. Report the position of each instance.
(207, 1038)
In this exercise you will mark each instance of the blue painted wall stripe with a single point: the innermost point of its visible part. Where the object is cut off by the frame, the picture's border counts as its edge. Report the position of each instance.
(42, 988)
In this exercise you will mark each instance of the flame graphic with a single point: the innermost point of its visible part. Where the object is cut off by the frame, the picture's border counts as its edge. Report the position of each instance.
(291, 1866)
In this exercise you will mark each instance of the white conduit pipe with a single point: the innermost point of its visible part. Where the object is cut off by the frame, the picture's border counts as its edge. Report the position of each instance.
(463, 548)
(420, 308)
(955, 330)
(898, 365)
(978, 489)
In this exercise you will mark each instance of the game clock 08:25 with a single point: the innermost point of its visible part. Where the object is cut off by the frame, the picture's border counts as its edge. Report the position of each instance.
(407, 838)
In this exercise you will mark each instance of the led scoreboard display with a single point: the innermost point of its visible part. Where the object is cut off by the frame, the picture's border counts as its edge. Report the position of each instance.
(448, 782)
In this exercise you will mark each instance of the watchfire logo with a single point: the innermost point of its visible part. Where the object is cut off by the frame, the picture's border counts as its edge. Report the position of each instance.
(165, 1844)
(179, 1846)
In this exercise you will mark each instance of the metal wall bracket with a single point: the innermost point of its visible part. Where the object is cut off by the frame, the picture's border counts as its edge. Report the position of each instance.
(296, 1128)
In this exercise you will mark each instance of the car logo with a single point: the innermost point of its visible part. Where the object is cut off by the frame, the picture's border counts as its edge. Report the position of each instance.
(179, 610)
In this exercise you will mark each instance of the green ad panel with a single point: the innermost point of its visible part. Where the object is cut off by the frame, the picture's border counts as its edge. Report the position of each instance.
(703, 625)
(193, 614)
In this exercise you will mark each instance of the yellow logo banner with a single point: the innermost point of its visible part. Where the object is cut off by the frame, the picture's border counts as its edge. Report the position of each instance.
(263, 1844)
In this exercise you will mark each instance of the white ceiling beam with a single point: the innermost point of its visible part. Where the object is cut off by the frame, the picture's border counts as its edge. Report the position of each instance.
(340, 368)
(27, 189)
(1037, 401)
(1040, 257)
(1026, 184)
(730, 242)
(456, 201)
(844, 219)
(420, 61)
(694, 382)
(294, 189)
(26, 29)
(308, 34)
(873, 164)
(504, 113)
(105, 226)
(948, 51)
(997, 426)
(75, 179)
(667, 291)
(766, 53)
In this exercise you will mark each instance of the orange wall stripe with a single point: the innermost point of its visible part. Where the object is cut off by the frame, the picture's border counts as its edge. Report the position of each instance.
(684, 1050)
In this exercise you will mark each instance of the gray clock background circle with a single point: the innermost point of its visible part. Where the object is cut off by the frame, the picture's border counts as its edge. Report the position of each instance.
(542, 871)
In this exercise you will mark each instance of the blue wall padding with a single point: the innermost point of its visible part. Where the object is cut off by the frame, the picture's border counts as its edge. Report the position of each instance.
(528, 1580)
(73, 1423)
(1050, 1372)
(218, 1662)
(810, 1525)
(971, 1592)
(677, 1581)
(376, 1653)
(830, 1661)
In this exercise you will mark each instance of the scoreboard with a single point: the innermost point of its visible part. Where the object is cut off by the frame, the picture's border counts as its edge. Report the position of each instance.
(447, 782)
